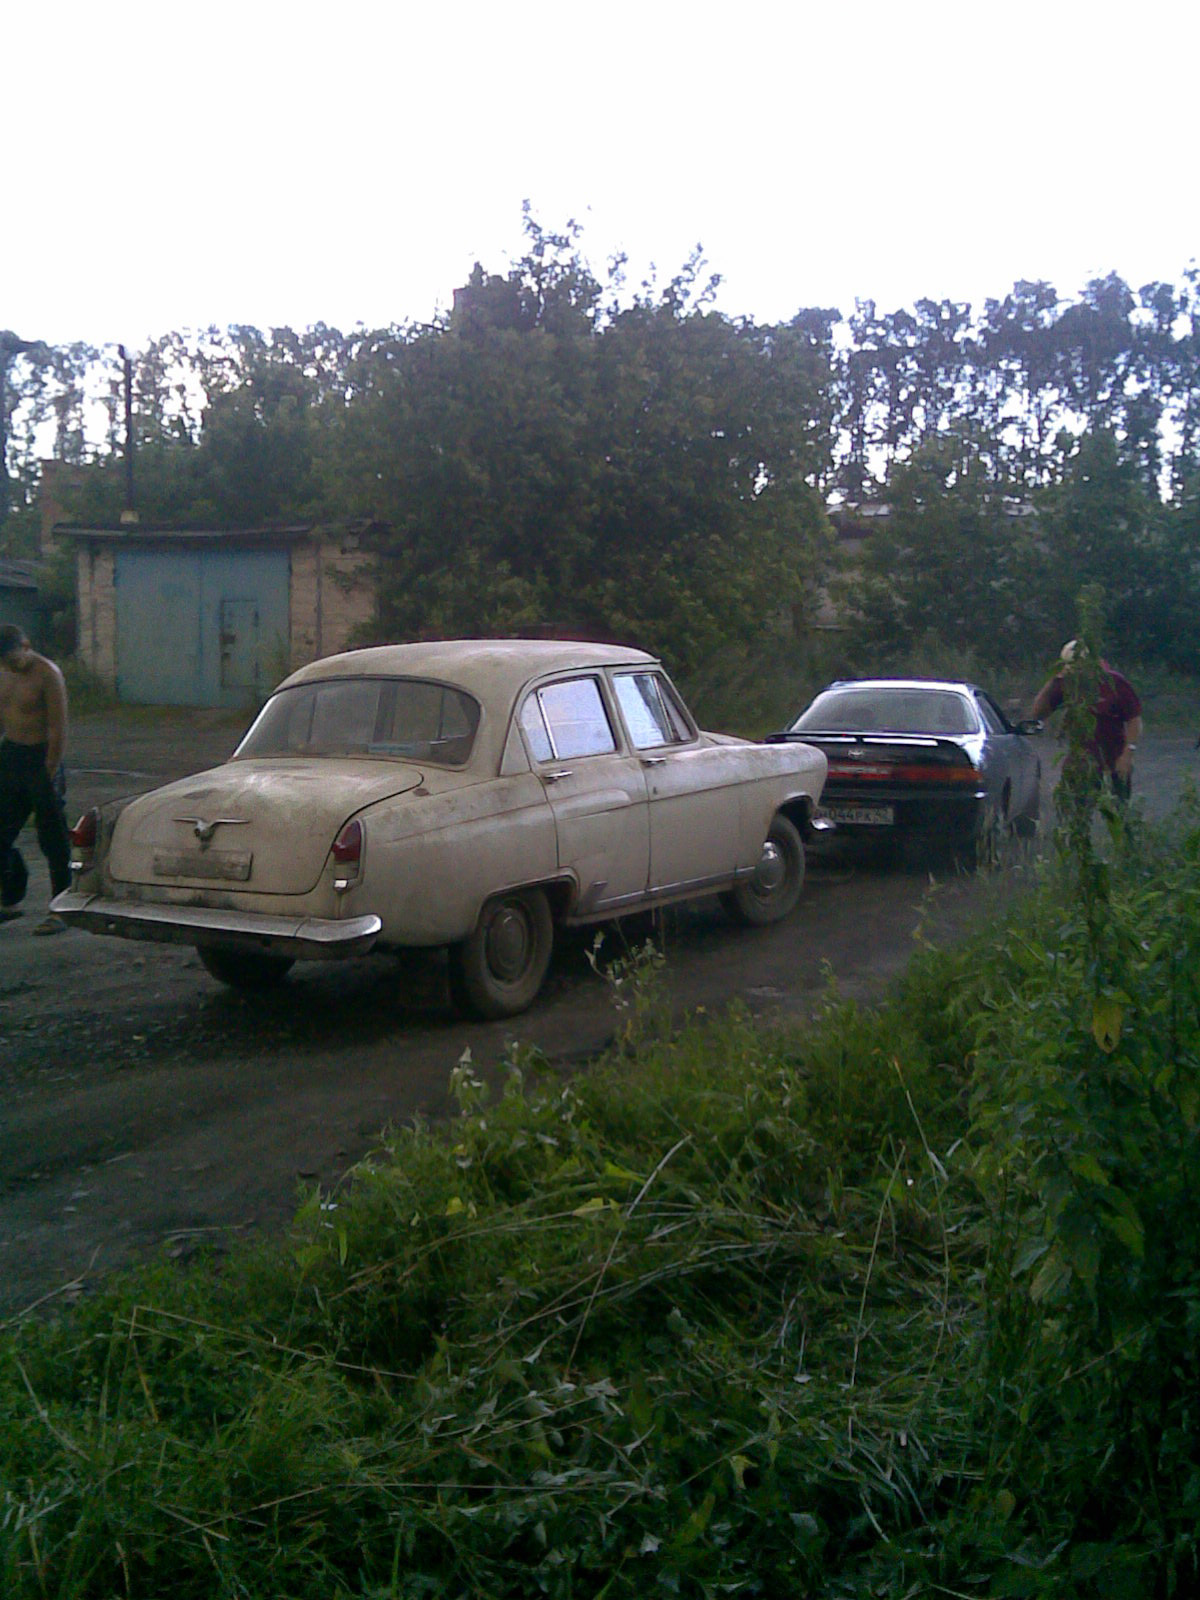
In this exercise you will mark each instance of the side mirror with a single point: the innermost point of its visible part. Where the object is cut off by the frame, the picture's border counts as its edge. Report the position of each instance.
(1030, 725)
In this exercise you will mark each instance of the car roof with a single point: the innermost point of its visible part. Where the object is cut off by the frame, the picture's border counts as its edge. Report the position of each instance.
(956, 685)
(493, 670)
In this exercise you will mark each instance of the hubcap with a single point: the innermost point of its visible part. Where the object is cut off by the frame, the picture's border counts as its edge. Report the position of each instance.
(508, 943)
(771, 869)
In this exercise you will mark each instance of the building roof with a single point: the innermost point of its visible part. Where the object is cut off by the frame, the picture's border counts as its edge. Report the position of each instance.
(18, 574)
(163, 533)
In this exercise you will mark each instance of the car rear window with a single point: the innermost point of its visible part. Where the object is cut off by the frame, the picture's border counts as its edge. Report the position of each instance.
(873, 710)
(408, 719)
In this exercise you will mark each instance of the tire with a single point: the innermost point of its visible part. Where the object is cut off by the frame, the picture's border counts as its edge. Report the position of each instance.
(499, 969)
(771, 892)
(247, 970)
(986, 849)
(989, 845)
(1026, 825)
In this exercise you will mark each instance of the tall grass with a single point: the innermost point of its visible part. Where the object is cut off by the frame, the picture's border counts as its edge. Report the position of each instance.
(900, 1302)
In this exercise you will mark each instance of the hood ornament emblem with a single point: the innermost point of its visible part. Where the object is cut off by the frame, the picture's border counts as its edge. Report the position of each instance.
(204, 830)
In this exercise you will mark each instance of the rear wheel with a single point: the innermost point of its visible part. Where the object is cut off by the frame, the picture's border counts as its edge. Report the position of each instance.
(1026, 825)
(772, 890)
(498, 969)
(985, 844)
(244, 969)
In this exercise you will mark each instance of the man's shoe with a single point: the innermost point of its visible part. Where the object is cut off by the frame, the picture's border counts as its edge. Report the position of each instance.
(9, 913)
(51, 925)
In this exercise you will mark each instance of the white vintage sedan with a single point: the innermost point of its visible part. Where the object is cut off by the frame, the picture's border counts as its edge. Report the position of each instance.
(470, 793)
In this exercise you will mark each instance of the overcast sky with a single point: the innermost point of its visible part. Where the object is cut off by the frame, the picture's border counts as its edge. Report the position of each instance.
(175, 165)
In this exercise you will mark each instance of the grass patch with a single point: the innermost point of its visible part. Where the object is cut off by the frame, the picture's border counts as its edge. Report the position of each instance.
(902, 1302)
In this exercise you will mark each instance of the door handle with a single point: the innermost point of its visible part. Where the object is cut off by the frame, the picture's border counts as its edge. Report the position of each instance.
(554, 777)
(654, 761)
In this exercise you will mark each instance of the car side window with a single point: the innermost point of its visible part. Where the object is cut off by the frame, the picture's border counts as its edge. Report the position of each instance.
(533, 726)
(568, 719)
(994, 719)
(651, 713)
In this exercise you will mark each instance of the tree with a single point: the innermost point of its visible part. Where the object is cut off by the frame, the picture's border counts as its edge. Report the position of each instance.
(950, 571)
(1098, 526)
(544, 459)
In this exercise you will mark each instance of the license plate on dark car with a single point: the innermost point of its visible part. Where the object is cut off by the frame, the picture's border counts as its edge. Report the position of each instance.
(858, 816)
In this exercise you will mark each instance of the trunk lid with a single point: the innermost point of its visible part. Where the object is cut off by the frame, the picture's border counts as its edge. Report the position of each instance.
(869, 763)
(257, 826)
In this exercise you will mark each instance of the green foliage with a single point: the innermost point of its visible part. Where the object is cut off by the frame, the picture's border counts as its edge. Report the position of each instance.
(666, 1327)
(643, 473)
(952, 564)
(1086, 1113)
(970, 565)
(561, 453)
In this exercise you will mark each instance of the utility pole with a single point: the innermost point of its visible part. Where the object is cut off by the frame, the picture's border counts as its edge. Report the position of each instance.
(10, 346)
(129, 514)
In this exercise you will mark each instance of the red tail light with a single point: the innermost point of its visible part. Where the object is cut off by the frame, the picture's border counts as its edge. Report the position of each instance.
(347, 847)
(926, 772)
(86, 830)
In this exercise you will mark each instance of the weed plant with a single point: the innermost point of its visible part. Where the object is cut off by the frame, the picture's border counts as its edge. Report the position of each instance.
(901, 1302)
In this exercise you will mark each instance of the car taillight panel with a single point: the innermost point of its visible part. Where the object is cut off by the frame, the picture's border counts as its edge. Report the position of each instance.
(87, 830)
(347, 847)
(858, 769)
(347, 855)
(908, 772)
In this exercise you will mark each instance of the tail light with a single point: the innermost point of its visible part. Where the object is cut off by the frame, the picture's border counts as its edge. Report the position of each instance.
(347, 854)
(923, 772)
(84, 835)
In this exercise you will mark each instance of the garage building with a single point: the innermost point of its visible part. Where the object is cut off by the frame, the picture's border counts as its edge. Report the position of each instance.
(214, 618)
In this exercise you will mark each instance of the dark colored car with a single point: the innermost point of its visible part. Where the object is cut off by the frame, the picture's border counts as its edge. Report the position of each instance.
(929, 761)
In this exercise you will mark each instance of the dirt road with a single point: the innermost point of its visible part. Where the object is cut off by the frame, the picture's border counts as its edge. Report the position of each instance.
(143, 1107)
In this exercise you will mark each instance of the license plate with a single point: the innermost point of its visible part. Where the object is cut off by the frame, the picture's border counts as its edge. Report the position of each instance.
(858, 816)
(233, 866)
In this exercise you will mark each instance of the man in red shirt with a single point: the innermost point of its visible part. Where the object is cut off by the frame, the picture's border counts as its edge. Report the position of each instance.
(1118, 713)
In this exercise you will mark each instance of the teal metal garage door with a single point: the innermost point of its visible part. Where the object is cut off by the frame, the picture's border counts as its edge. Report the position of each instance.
(200, 627)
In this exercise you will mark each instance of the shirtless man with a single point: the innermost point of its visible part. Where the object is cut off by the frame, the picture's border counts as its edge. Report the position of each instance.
(33, 735)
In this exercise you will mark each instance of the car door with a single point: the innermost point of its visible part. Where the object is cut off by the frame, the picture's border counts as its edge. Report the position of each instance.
(595, 788)
(1010, 758)
(695, 817)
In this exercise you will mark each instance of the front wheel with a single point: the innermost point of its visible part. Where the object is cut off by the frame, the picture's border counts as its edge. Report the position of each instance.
(498, 969)
(244, 969)
(772, 890)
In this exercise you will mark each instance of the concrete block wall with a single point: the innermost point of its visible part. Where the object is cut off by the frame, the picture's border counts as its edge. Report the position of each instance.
(96, 597)
(333, 594)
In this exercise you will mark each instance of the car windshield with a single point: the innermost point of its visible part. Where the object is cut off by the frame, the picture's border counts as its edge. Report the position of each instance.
(877, 709)
(407, 719)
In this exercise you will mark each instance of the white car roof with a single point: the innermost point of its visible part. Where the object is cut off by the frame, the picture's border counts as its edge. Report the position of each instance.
(493, 670)
(952, 685)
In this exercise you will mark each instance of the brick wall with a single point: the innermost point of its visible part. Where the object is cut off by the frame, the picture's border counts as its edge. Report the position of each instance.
(333, 594)
(96, 597)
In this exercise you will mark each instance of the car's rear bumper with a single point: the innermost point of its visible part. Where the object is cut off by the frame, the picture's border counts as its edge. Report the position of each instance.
(933, 813)
(303, 938)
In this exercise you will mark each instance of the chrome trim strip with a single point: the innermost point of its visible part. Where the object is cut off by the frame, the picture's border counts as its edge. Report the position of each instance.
(313, 937)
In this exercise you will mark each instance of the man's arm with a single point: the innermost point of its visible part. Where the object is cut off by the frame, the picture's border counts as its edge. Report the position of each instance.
(1047, 699)
(55, 692)
(1123, 765)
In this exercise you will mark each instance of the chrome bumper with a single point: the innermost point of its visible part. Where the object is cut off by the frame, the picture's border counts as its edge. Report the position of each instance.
(306, 938)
